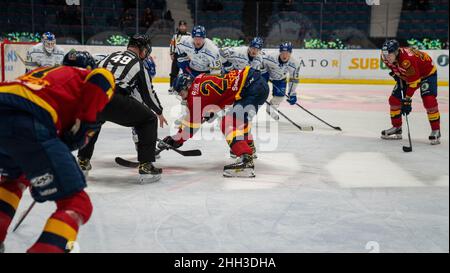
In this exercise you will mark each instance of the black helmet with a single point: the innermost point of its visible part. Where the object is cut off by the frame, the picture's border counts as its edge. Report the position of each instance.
(390, 46)
(142, 42)
(79, 59)
(181, 82)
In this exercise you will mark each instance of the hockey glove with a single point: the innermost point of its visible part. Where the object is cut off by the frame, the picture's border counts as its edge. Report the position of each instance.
(292, 99)
(168, 142)
(80, 135)
(406, 106)
(393, 75)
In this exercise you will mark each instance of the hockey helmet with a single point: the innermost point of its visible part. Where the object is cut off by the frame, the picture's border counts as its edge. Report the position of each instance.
(390, 46)
(182, 82)
(257, 42)
(286, 46)
(142, 42)
(199, 31)
(49, 41)
(79, 59)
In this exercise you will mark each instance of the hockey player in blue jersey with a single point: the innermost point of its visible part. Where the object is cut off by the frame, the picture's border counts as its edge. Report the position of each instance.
(283, 71)
(240, 57)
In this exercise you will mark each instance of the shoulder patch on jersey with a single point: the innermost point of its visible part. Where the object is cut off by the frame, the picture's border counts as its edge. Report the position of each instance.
(103, 79)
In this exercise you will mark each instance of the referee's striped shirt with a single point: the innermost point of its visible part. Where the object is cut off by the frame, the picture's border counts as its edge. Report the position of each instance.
(129, 72)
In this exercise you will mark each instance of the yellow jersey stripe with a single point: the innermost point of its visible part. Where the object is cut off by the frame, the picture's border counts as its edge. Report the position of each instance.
(61, 229)
(244, 79)
(9, 198)
(23, 92)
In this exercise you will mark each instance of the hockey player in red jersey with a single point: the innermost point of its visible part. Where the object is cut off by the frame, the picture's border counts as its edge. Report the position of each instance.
(412, 69)
(44, 115)
(245, 89)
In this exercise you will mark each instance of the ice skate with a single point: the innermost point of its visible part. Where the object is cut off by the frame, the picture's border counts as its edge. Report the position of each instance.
(85, 165)
(149, 173)
(435, 137)
(393, 134)
(252, 145)
(243, 168)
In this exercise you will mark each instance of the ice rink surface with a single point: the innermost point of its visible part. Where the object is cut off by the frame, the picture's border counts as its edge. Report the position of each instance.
(320, 191)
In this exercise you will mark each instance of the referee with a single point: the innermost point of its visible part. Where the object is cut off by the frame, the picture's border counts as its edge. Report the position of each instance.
(133, 105)
(181, 31)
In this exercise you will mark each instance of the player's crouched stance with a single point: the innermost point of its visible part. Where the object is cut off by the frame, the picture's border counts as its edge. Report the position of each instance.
(246, 89)
(411, 69)
(44, 115)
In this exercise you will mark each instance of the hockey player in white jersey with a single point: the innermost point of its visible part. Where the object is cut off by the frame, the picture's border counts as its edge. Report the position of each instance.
(283, 72)
(240, 57)
(198, 54)
(46, 53)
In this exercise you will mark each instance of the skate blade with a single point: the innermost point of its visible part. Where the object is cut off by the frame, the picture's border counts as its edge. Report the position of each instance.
(246, 173)
(392, 137)
(85, 173)
(148, 178)
(435, 142)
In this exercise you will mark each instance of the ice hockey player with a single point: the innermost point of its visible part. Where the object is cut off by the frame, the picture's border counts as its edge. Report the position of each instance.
(240, 57)
(279, 69)
(198, 54)
(411, 69)
(135, 105)
(245, 89)
(181, 31)
(44, 115)
(46, 53)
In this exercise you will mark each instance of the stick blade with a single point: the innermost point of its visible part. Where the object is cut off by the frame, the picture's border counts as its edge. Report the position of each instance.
(407, 149)
(191, 153)
(307, 128)
(126, 163)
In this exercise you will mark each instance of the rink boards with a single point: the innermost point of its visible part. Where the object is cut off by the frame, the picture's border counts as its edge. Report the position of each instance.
(317, 66)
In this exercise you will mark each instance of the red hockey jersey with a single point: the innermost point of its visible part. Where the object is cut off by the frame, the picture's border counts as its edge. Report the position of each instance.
(412, 66)
(211, 93)
(60, 94)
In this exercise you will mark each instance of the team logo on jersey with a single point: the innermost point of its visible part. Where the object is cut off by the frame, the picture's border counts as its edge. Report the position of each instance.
(424, 86)
(406, 64)
(42, 181)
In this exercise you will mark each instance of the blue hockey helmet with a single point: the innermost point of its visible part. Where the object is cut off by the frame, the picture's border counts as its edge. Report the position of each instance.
(286, 46)
(182, 82)
(390, 46)
(79, 59)
(49, 41)
(199, 31)
(257, 42)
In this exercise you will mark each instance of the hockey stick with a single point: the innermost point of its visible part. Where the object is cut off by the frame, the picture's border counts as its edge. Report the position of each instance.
(27, 63)
(307, 111)
(406, 149)
(133, 164)
(301, 128)
(24, 215)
